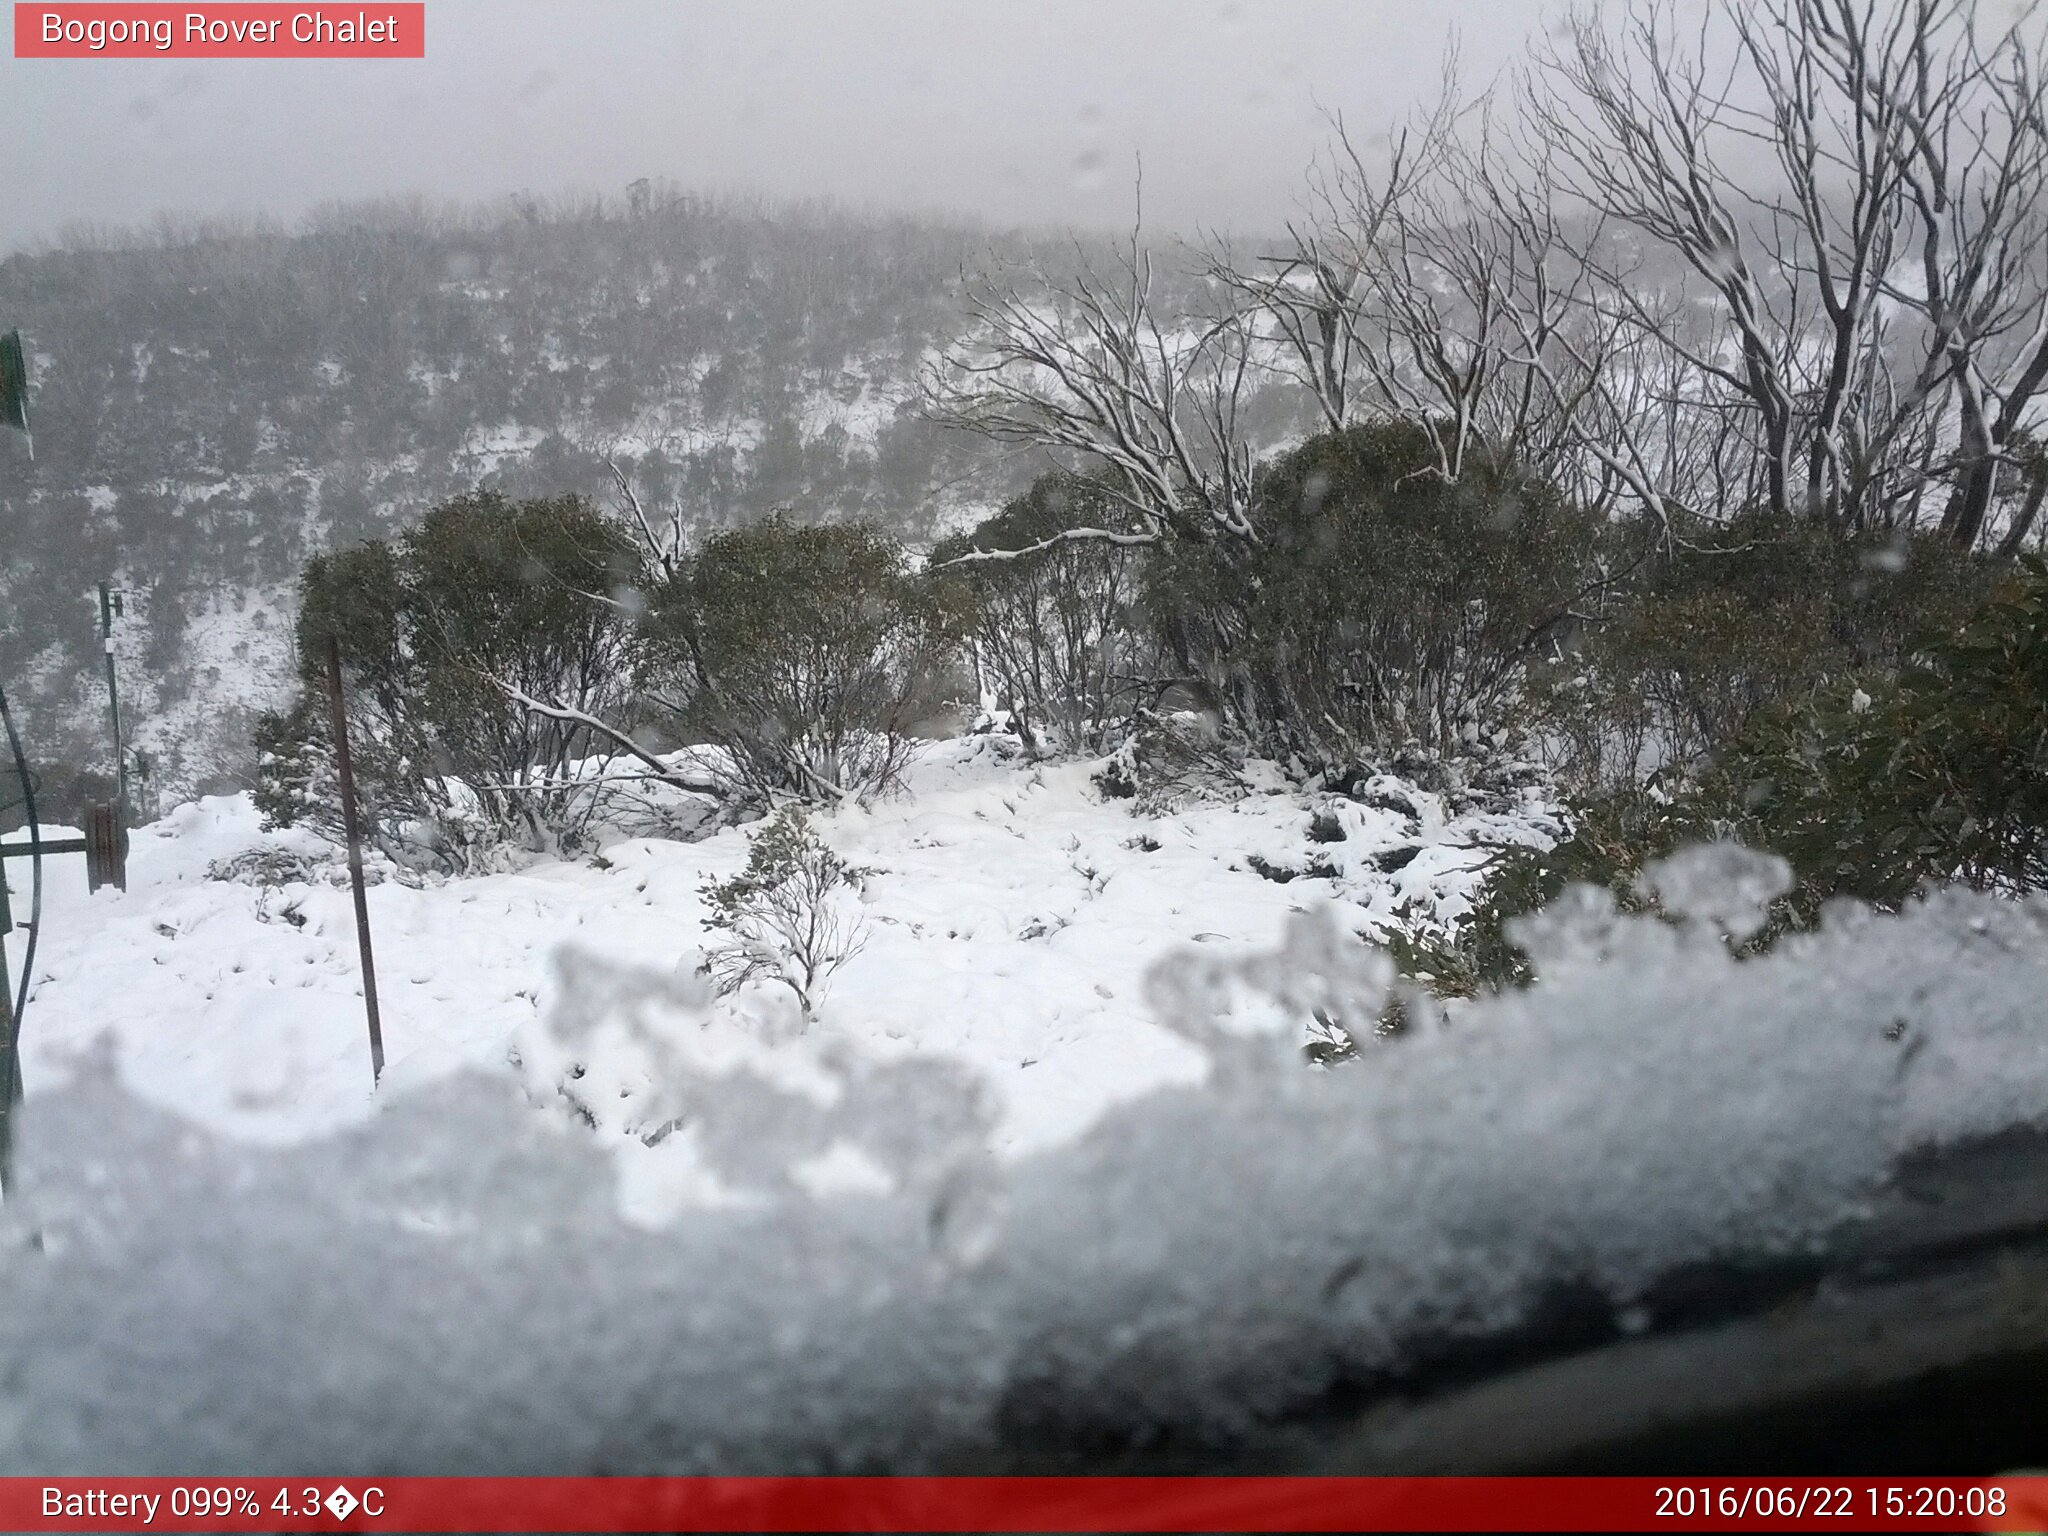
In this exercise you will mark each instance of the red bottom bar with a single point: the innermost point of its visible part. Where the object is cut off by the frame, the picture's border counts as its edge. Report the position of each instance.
(577, 1504)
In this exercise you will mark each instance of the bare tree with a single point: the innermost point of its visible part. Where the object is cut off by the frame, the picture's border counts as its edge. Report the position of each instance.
(1088, 365)
(661, 535)
(1451, 290)
(1853, 190)
(1975, 173)
(1631, 121)
(1317, 292)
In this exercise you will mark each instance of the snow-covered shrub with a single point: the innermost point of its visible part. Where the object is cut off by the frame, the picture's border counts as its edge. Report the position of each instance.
(264, 866)
(1173, 760)
(486, 662)
(792, 915)
(1056, 637)
(804, 652)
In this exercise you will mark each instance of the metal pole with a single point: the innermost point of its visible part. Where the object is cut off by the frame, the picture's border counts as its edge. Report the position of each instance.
(119, 867)
(10, 1095)
(14, 412)
(10, 1090)
(338, 718)
(12, 1005)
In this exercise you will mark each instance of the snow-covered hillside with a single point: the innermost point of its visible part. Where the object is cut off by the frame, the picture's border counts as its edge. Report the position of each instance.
(194, 451)
(1013, 912)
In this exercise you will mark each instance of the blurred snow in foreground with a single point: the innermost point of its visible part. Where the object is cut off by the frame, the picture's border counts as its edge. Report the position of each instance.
(450, 1287)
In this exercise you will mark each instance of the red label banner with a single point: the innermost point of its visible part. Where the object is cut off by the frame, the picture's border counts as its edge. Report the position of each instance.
(371, 30)
(1008, 1504)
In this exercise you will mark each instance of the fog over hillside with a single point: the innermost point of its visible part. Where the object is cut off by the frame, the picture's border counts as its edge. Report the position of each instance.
(1014, 114)
(276, 307)
(218, 401)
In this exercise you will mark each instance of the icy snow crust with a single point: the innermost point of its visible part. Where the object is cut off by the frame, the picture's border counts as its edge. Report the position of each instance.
(865, 1285)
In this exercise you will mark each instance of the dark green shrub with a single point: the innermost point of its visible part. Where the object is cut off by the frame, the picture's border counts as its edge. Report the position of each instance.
(1872, 788)
(1380, 607)
(1055, 638)
(804, 652)
(483, 654)
(1734, 621)
(515, 603)
(358, 597)
(1940, 775)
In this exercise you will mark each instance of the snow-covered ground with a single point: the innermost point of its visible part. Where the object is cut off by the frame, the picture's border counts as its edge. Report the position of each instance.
(1211, 1268)
(1013, 913)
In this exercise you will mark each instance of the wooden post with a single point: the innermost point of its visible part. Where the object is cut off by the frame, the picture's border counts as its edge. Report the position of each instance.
(109, 604)
(106, 847)
(338, 717)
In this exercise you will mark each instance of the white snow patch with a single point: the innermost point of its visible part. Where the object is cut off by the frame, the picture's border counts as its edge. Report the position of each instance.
(1013, 913)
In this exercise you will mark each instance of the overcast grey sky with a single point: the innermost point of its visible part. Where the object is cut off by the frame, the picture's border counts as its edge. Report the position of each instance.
(1019, 110)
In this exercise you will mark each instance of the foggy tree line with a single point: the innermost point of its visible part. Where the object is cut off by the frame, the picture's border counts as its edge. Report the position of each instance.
(217, 401)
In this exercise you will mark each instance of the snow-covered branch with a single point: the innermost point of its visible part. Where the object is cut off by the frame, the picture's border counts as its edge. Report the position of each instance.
(1069, 536)
(700, 783)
